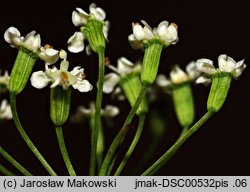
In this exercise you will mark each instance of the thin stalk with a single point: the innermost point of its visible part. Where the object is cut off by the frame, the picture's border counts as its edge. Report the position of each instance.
(183, 132)
(122, 133)
(17, 165)
(132, 146)
(64, 152)
(98, 104)
(26, 138)
(166, 156)
(136, 105)
(5, 171)
(108, 161)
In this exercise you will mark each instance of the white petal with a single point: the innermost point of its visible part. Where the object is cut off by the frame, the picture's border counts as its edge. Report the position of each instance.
(162, 28)
(32, 41)
(39, 80)
(162, 81)
(106, 29)
(136, 44)
(192, 71)
(76, 19)
(148, 31)
(205, 66)
(203, 80)
(240, 64)
(110, 81)
(5, 110)
(77, 72)
(169, 35)
(238, 71)
(110, 111)
(50, 56)
(226, 64)
(177, 75)
(13, 37)
(76, 42)
(124, 66)
(98, 12)
(138, 32)
(82, 85)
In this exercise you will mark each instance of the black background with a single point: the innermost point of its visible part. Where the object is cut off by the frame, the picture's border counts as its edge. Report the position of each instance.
(206, 29)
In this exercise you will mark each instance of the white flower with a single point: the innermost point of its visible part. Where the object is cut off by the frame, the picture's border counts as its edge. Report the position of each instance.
(61, 77)
(31, 42)
(5, 110)
(226, 65)
(165, 33)
(76, 42)
(178, 76)
(80, 18)
(4, 80)
(124, 67)
(48, 54)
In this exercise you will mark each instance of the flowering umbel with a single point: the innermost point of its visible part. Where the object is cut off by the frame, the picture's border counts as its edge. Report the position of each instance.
(94, 28)
(221, 78)
(153, 41)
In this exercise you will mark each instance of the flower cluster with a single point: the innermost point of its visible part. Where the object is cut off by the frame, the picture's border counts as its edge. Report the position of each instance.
(124, 67)
(178, 76)
(165, 33)
(226, 65)
(81, 18)
(32, 42)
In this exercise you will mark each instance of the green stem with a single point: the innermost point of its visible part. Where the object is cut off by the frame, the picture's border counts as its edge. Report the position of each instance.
(5, 171)
(108, 160)
(98, 104)
(132, 146)
(136, 105)
(183, 132)
(166, 156)
(122, 133)
(26, 138)
(17, 165)
(64, 152)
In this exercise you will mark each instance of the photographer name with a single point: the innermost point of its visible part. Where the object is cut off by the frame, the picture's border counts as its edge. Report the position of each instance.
(70, 183)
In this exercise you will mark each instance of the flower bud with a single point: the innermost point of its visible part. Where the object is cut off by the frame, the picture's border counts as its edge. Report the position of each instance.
(151, 62)
(94, 34)
(59, 105)
(131, 85)
(21, 70)
(183, 103)
(218, 92)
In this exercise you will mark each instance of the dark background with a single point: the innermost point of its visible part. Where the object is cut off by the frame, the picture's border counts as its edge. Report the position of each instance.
(206, 29)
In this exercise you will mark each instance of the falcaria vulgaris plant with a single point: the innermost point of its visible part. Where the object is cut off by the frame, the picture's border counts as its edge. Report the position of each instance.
(134, 81)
